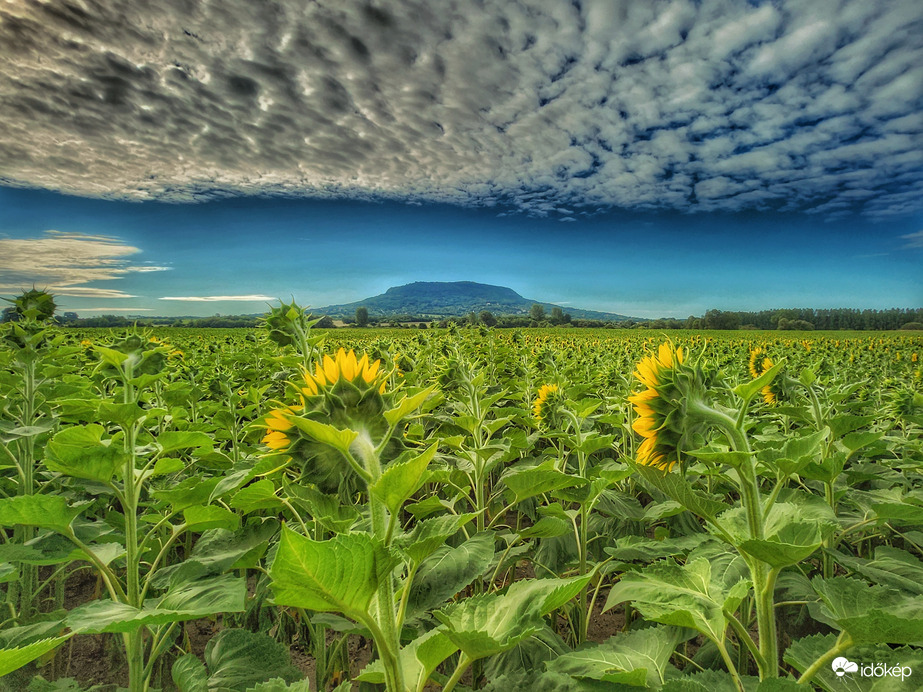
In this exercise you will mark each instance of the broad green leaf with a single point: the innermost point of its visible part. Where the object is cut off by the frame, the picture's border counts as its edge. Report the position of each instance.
(172, 440)
(857, 440)
(192, 491)
(531, 653)
(339, 575)
(256, 496)
(189, 674)
(9, 432)
(538, 680)
(110, 356)
(693, 595)
(279, 685)
(424, 508)
(400, 480)
(222, 550)
(751, 388)
(407, 405)
(796, 453)
(15, 658)
(54, 549)
(793, 529)
(417, 660)
(872, 614)
(246, 471)
(430, 534)
(80, 452)
(594, 442)
(899, 513)
(237, 659)
(789, 546)
(326, 434)
(124, 415)
(225, 594)
(45, 511)
(203, 517)
(639, 548)
(677, 488)
(547, 527)
(639, 658)
(721, 681)
(802, 653)
(449, 570)
(328, 510)
(714, 455)
(166, 466)
(890, 567)
(529, 482)
(841, 425)
(660, 510)
(491, 623)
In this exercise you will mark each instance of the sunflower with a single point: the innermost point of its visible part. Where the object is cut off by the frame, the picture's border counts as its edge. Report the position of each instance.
(343, 368)
(343, 391)
(654, 406)
(540, 407)
(759, 364)
(770, 395)
(756, 364)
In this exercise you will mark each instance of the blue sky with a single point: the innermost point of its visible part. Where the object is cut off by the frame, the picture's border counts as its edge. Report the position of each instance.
(324, 252)
(647, 158)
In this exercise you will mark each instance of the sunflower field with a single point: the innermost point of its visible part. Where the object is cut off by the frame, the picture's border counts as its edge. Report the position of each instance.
(408, 510)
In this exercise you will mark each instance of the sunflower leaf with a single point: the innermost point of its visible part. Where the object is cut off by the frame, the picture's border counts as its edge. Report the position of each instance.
(748, 390)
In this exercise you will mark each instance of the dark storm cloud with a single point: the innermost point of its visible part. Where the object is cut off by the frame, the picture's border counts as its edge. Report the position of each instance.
(557, 108)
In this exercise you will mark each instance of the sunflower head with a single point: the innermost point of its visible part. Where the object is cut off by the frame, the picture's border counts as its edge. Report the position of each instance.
(141, 355)
(343, 391)
(33, 305)
(760, 363)
(287, 324)
(343, 369)
(547, 402)
(665, 417)
(757, 356)
(772, 392)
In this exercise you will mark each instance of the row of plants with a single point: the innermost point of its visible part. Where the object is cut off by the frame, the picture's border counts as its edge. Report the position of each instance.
(742, 512)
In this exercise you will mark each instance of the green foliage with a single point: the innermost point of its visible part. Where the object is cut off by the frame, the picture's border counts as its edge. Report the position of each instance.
(139, 457)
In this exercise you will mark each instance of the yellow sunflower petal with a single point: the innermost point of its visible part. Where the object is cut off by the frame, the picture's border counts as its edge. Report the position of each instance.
(331, 369)
(371, 371)
(645, 426)
(276, 440)
(665, 355)
(277, 420)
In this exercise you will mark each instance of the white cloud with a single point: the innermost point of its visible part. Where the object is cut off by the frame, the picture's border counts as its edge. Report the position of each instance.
(914, 240)
(547, 105)
(64, 263)
(217, 299)
(131, 310)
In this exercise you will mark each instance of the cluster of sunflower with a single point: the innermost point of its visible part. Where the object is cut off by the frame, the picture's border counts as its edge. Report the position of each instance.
(669, 408)
(345, 392)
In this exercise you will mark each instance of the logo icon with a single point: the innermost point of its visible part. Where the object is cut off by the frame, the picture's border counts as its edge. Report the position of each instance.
(843, 665)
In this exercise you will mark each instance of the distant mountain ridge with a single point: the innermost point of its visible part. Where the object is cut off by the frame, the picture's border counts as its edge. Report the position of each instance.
(440, 299)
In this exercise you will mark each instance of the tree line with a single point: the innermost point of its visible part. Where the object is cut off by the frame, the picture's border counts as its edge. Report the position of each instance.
(801, 319)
